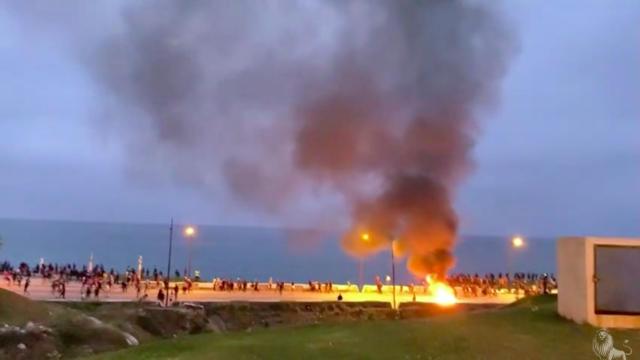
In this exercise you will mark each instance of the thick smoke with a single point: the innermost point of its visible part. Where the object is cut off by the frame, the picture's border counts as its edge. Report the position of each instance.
(373, 100)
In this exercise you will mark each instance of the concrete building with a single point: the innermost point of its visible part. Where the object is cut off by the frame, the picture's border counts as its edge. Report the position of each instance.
(599, 281)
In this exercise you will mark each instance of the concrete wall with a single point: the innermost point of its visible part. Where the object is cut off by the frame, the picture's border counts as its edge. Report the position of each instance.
(576, 288)
(572, 286)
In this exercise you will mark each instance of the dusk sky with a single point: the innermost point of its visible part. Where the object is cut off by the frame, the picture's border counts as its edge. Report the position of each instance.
(558, 154)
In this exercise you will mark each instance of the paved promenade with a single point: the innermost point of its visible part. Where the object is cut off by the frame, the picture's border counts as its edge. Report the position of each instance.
(41, 290)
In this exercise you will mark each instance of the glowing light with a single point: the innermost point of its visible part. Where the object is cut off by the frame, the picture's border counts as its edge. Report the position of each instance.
(365, 237)
(441, 293)
(189, 231)
(517, 241)
(388, 278)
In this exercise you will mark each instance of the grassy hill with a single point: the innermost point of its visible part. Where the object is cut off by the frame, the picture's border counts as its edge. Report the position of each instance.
(48, 330)
(529, 329)
(18, 310)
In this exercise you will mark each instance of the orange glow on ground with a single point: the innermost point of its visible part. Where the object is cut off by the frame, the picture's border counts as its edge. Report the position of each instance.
(442, 294)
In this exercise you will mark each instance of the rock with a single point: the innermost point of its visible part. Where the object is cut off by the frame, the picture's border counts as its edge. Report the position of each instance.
(45, 330)
(85, 350)
(54, 355)
(30, 326)
(216, 324)
(128, 327)
(193, 306)
(22, 346)
(130, 339)
(94, 321)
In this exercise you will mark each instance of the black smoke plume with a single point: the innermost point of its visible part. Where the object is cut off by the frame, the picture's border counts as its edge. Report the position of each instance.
(376, 101)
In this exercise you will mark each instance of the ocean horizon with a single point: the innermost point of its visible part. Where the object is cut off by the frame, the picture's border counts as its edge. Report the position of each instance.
(247, 252)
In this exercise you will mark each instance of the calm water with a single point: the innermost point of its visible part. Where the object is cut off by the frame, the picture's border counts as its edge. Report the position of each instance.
(247, 252)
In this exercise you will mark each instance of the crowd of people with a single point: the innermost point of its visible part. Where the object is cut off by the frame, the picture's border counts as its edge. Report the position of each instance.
(96, 281)
(468, 285)
(16, 275)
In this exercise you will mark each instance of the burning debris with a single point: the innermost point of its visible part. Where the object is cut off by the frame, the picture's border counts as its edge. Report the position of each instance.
(440, 292)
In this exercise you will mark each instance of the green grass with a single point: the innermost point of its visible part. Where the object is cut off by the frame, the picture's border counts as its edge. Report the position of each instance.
(74, 333)
(528, 330)
(18, 310)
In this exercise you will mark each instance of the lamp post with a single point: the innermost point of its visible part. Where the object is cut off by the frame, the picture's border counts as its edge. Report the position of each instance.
(517, 242)
(168, 276)
(365, 238)
(393, 274)
(189, 234)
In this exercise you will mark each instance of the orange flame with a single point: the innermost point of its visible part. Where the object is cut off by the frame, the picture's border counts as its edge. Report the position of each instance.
(441, 293)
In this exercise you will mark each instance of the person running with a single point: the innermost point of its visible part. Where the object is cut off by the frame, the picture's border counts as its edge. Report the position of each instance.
(26, 285)
(160, 297)
(96, 291)
(545, 284)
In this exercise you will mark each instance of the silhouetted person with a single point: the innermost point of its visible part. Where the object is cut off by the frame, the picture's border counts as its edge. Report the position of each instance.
(161, 296)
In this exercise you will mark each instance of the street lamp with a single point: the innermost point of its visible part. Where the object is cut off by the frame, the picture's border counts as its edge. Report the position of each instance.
(189, 233)
(393, 272)
(365, 238)
(517, 241)
(167, 278)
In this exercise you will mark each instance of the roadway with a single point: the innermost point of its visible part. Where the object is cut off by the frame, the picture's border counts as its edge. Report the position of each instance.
(41, 290)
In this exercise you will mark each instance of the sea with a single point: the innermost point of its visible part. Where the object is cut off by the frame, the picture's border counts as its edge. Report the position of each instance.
(247, 252)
